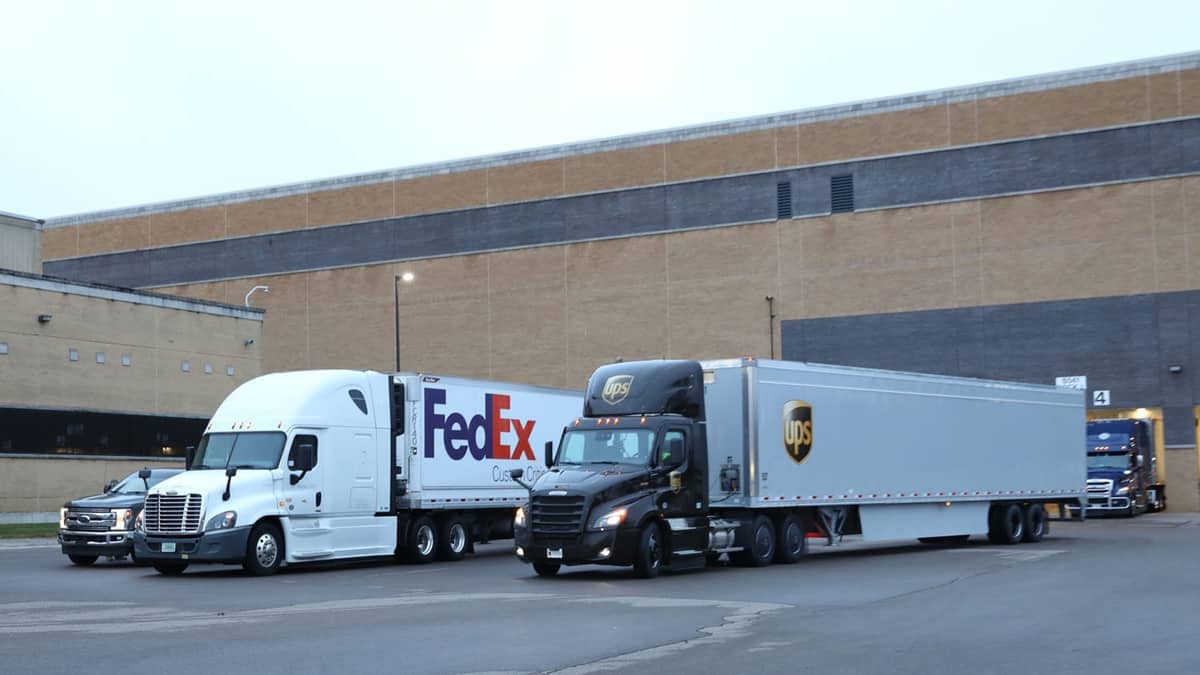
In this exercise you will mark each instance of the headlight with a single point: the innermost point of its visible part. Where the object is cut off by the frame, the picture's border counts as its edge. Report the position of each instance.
(123, 518)
(138, 523)
(222, 521)
(611, 519)
(1123, 490)
(62, 518)
(519, 519)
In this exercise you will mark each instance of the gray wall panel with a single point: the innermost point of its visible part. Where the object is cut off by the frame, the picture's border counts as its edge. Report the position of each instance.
(1161, 149)
(1123, 344)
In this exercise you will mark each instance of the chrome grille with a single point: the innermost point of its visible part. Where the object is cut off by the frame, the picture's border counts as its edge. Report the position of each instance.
(557, 516)
(86, 520)
(1099, 486)
(172, 514)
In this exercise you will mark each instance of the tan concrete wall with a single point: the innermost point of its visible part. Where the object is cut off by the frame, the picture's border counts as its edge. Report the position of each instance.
(550, 315)
(1183, 480)
(1101, 104)
(42, 485)
(37, 369)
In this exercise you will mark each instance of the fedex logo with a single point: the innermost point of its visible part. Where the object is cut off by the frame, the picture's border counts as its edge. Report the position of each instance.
(460, 435)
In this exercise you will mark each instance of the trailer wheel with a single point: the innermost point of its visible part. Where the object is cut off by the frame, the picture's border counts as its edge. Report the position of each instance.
(1037, 524)
(651, 551)
(422, 540)
(793, 542)
(453, 539)
(83, 560)
(761, 549)
(1006, 523)
(264, 550)
(545, 569)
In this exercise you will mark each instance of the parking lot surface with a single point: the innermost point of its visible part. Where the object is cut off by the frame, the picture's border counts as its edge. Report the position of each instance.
(1105, 596)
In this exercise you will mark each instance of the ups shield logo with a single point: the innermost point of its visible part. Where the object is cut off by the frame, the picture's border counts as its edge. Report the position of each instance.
(616, 389)
(797, 430)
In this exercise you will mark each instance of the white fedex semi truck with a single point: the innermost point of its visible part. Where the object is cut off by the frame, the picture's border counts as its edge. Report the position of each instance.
(333, 464)
(674, 463)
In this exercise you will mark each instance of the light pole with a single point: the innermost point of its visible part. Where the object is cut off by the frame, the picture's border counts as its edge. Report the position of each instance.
(407, 278)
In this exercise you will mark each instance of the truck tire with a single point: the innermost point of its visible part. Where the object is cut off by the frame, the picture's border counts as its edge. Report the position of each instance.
(760, 550)
(1006, 523)
(651, 551)
(83, 560)
(454, 538)
(422, 540)
(169, 568)
(264, 550)
(1037, 523)
(545, 569)
(793, 540)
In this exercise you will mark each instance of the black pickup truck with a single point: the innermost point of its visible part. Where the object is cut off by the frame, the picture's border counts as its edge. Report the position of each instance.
(102, 525)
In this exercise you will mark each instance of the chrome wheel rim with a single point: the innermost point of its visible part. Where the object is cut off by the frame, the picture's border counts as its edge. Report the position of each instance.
(458, 538)
(425, 540)
(266, 550)
(653, 548)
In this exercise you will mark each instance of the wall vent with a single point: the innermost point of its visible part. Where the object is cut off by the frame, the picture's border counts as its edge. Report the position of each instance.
(841, 194)
(783, 201)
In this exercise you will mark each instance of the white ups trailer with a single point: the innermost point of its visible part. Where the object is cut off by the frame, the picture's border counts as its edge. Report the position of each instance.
(674, 462)
(330, 464)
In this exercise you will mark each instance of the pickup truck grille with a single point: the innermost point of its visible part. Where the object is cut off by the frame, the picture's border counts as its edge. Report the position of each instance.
(560, 516)
(1099, 486)
(172, 514)
(90, 520)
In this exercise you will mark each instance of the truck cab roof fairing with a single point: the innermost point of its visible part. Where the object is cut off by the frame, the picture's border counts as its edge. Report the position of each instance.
(646, 388)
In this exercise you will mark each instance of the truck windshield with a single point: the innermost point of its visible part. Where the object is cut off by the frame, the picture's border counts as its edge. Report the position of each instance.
(606, 446)
(1113, 461)
(246, 450)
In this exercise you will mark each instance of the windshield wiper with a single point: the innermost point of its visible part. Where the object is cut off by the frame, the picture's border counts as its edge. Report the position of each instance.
(607, 462)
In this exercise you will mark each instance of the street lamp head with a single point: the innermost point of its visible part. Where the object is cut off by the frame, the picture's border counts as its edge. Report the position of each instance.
(407, 277)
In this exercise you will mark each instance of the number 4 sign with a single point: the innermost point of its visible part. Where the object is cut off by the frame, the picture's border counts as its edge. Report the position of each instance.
(1101, 397)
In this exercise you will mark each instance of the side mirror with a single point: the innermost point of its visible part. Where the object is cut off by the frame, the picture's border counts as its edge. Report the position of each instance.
(516, 475)
(189, 454)
(303, 457)
(675, 453)
(109, 486)
(549, 454)
(144, 474)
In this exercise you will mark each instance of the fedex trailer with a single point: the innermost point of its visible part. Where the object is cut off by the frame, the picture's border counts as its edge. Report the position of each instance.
(336, 464)
(675, 463)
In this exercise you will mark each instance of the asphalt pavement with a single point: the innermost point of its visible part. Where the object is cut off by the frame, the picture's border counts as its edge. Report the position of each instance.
(1106, 596)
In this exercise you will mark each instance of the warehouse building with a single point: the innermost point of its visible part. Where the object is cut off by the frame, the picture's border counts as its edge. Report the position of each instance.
(99, 381)
(1029, 229)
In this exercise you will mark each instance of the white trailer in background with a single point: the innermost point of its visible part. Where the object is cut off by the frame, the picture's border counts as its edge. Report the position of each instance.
(333, 464)
(681, 461)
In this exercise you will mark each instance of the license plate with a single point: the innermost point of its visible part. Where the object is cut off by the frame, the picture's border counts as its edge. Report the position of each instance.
(554, 553)
(168, 547)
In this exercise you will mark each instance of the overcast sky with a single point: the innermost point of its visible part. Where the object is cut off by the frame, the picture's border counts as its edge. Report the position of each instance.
(111, 104)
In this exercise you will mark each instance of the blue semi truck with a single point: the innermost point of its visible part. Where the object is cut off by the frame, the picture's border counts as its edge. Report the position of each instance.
(1122, 468)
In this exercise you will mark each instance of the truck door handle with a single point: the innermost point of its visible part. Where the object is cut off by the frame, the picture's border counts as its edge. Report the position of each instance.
(318, 499)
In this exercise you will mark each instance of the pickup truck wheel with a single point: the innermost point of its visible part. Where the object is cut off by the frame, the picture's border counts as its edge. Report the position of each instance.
(422, 540)
(83, 560)
(545, 569)
(169, 567)
(650, 552)
(264, 550)
(453, 539)
(1006, 523)
(793, 543)
(1037, 524)
(760, 550)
